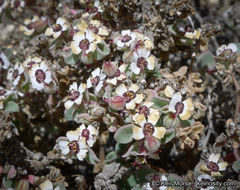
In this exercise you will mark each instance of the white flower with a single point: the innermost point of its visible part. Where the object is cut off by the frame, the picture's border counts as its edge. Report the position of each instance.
(142, 41)
(96, 80)
(47, 185)
(204, 178)
(183, 109)
(75, 95)
(147, 126)
(57, 29)
(119, 75)
(15, 73)
(95, 26)
(4, 62)
(89, 134)
(17, 4)
(40, 76)
(30, 61)
(141, 60)
(27, 28)
(130, 94)
(84, 42)
(3, 5)
(126, 38)
(232, 47)
(73, 145)
(214, 166)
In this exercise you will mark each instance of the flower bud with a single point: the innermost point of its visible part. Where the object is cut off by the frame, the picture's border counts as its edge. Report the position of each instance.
(116, 102)
(109, 68)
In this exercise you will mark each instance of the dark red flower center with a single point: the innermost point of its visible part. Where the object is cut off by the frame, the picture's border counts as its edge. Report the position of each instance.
(148, 129)
(15, 73)
(2, 92)
(93, 28)
(84, 44)
(95, 81)
(204, 180)
(85, 133)
(213, 166)
(1, 2)
(129, 95)
(57, 27)
(31, 63)
(141, 62)
(29, 26)
(74, 147)
(189, 28)
(179, 108)
(40, 76)
(144, 110)
(17, 3)
(126, 38)
(74, 95)
(93, 10)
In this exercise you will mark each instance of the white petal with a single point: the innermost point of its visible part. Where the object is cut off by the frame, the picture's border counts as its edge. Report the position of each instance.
(72, 135)
(68, 104)
(73, 87)
(75, 47)
(96, 72)
(136, 70)
(60, 21)
(222, 166)
(90, 35)
(46, 185)
(214, 157)
(143, 52)
(131, 105)
(112, 80)
(48, 77)
(137, 133)
(134, 87)
(78, 37)
(63, 144)
(91, 142)
(82, 154)
(99, 86)
(89, 83)
(121, 89)
(65, 151)
(57, 34)
(78, 101)
(82, 88)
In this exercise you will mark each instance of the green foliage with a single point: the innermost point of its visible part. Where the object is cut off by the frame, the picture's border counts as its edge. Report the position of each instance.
(124, 134)
(11, 107)
(236, 166)
(71, 59)
(170, 134)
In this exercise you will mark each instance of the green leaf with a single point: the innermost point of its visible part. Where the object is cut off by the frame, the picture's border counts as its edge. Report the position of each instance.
(71, 59)
(69, 114)
(206, 60)
(111, 156)
(131, 181)
(11, 107)
(124, 134)
(159, 102)
(236, 166)
(187, 123)
(170, 134)
(101, 51)
(91, 157)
